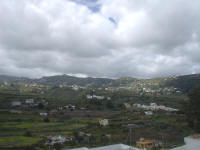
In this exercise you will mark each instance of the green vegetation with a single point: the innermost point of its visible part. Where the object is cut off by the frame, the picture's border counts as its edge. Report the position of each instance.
(31, 130)
(192, 109)
(28, 129)
(184, 83)
(17, 141)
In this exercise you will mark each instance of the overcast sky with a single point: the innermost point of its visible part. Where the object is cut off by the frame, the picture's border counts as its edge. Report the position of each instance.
(99, 38)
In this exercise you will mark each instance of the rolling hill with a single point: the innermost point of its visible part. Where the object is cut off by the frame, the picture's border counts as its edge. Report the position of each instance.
(183, 83)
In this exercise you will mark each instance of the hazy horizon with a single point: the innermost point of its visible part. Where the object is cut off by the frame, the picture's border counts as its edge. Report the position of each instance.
(82, 76)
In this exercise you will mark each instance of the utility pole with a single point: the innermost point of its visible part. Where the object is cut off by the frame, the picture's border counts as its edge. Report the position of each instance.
(130, 135)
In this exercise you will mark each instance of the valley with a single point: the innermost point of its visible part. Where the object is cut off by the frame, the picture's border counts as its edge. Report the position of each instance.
(35, 111)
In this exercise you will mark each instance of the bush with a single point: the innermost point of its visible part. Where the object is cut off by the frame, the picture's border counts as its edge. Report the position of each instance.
(46, 120)
(192, 109)
(40, 106)
(28, 134)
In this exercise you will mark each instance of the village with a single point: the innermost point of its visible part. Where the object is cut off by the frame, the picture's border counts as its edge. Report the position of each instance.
(79, 117)
(104, 121)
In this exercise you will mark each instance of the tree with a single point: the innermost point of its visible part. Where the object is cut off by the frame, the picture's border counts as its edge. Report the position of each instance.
(110, 105)
(40, 106)
(46, 119)
(77, 136)
(192, 109)
(57, 146)
(28, 134)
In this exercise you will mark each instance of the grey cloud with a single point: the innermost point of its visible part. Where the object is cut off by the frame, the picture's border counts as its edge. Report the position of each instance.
(149, 38)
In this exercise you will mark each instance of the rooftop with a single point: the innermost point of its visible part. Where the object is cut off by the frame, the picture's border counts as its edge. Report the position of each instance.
(109, 147)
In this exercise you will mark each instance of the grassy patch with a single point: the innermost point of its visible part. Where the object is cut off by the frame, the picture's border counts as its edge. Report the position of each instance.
(18, 141)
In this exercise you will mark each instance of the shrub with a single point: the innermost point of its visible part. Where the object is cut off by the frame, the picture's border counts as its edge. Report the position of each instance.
(46, 119)
(28, 134)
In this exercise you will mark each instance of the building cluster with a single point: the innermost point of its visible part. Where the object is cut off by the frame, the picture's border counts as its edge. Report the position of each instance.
(148, 113)
(84, 135)
(67, 107)
(73, 87)
(154, 107)
(28, 102)
(166, 90)
(88, 96)
(43, 114)
(147, 89)
(51, 140)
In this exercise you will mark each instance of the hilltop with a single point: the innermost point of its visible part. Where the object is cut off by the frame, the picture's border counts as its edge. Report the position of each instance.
(178, 83)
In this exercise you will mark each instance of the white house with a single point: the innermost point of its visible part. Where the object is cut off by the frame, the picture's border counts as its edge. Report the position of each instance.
(94, 96)
(73, 107)
(154, 107)
(75, 87)
(108, 98)
(98, 97)
(51, 140)
(148, 113)
(43, 114)
(29, 101)
(89, 96)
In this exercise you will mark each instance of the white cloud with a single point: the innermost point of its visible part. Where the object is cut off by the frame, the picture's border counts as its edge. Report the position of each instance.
(145, 39)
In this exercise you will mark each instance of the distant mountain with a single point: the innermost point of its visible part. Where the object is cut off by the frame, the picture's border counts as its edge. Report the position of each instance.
(184, 83)
(71, 80)
(6, 78)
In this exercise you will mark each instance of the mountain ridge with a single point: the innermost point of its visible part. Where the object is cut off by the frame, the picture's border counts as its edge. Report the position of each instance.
(183, 82)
